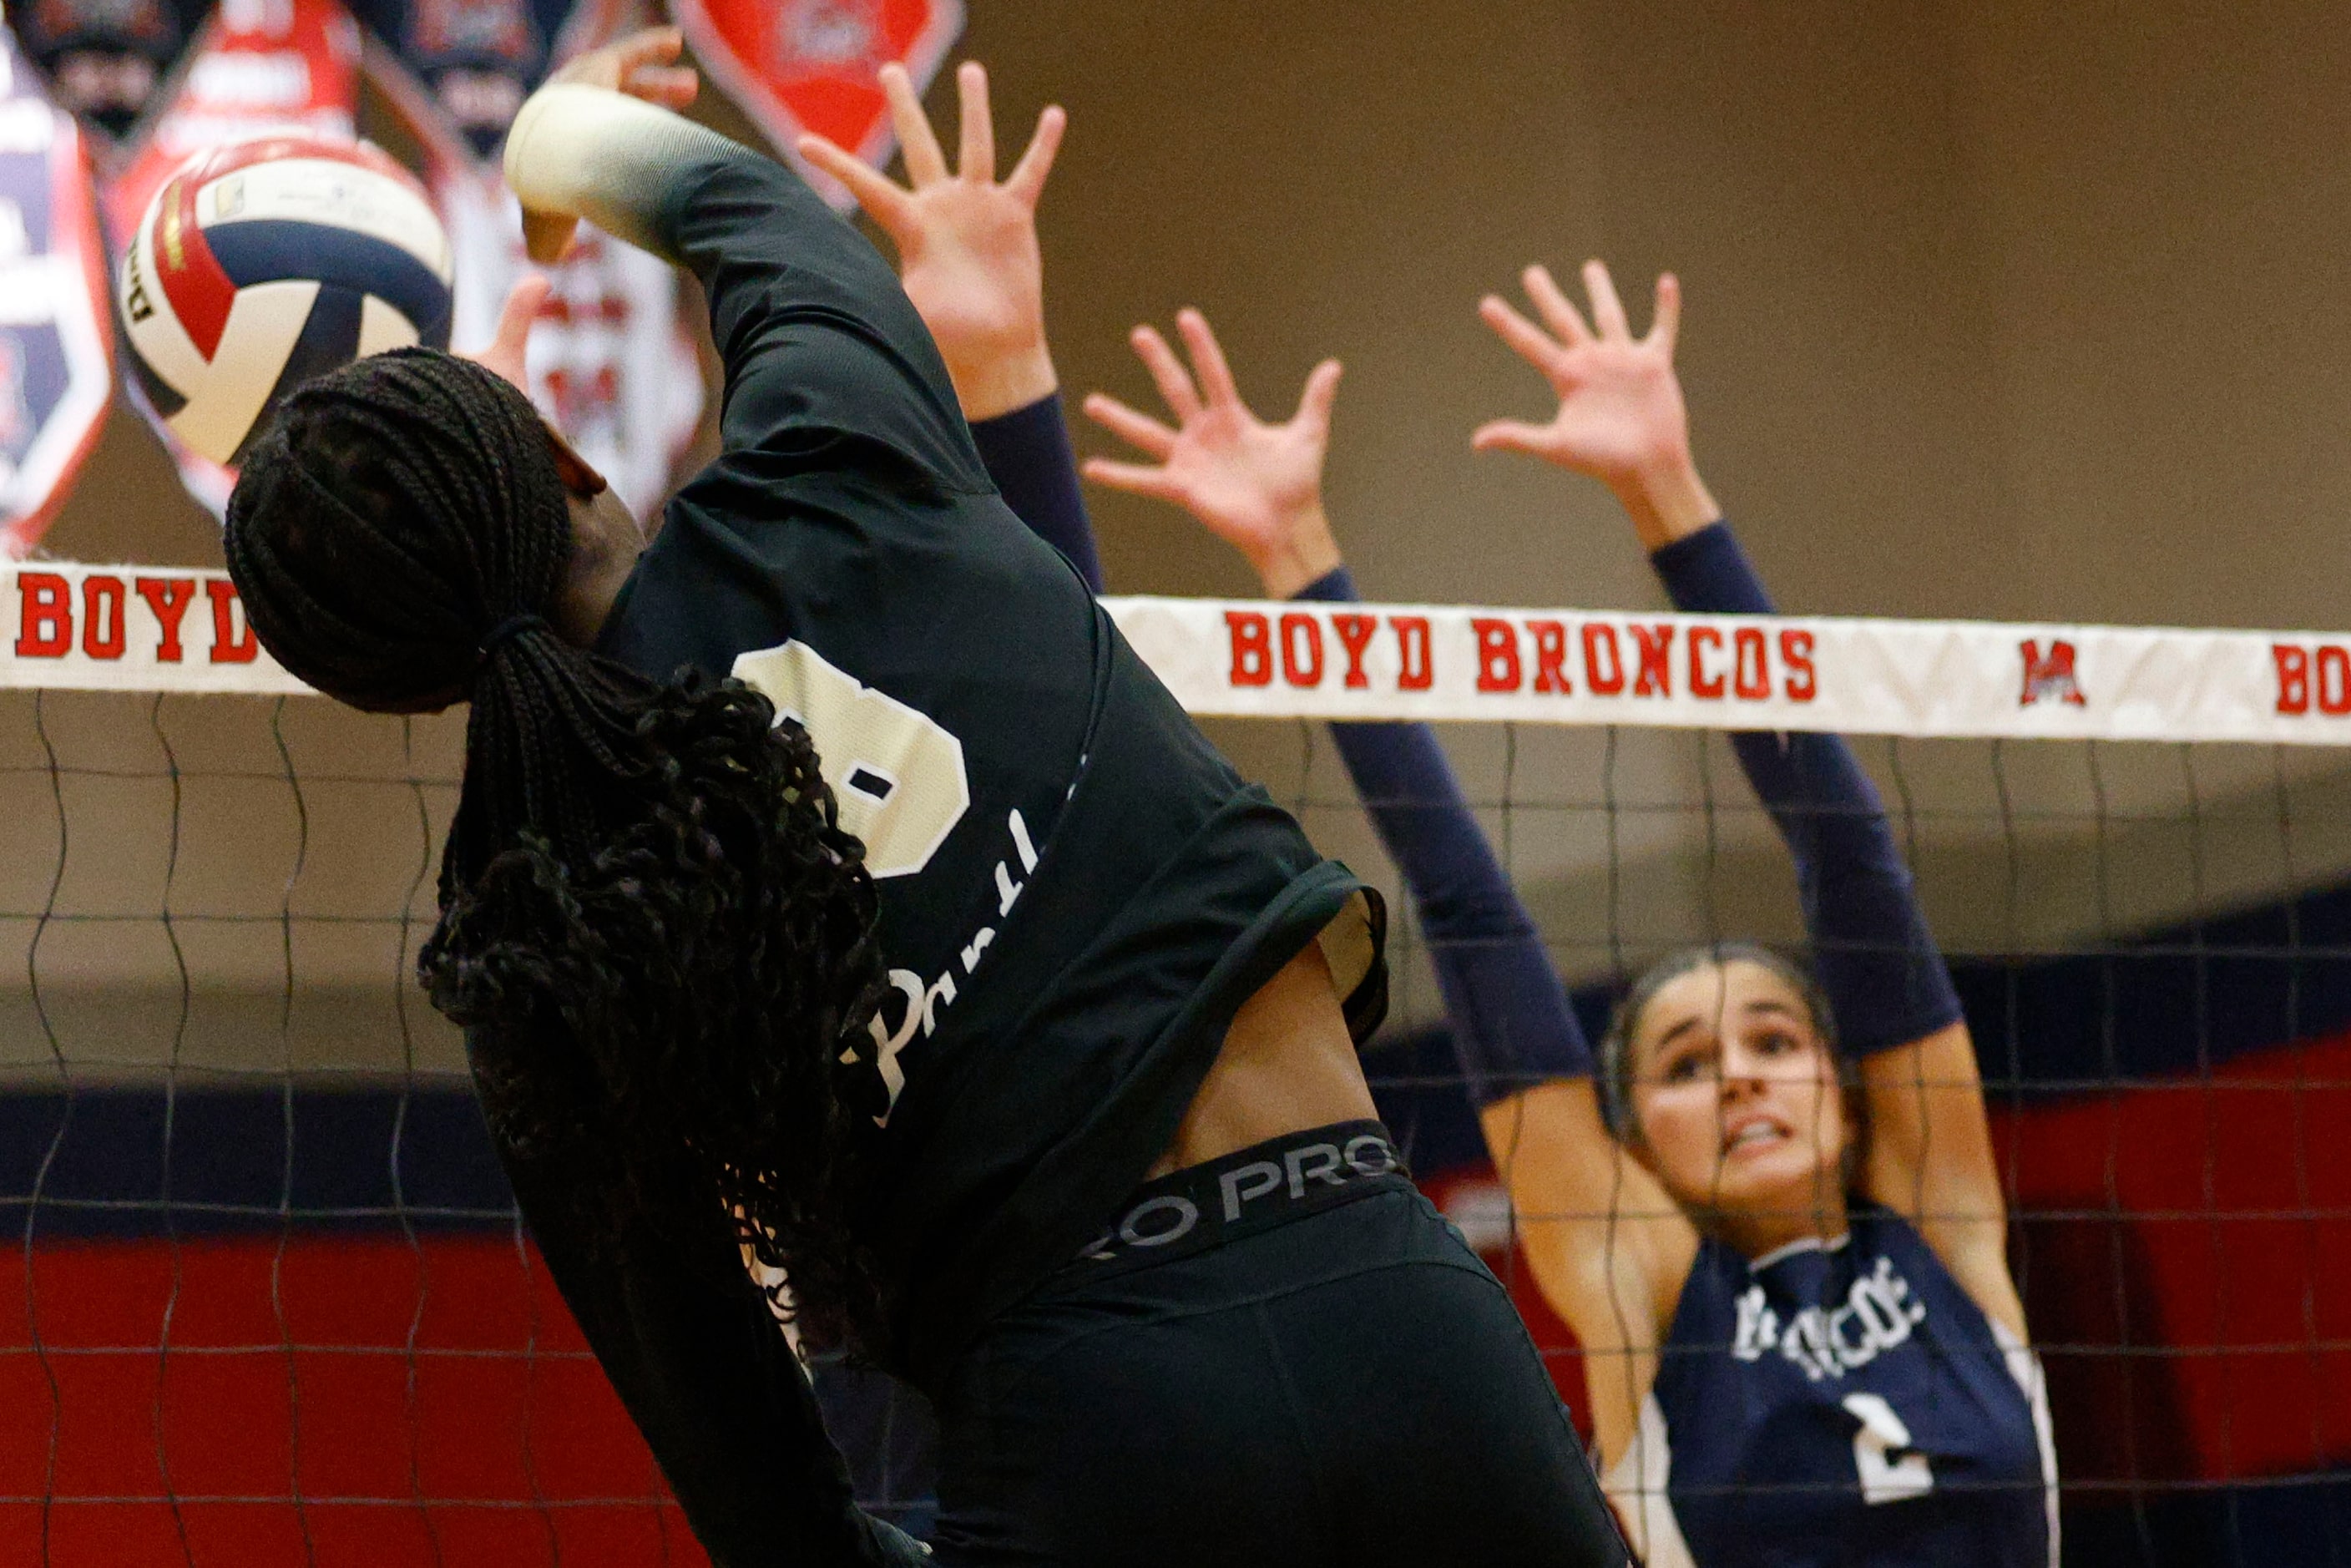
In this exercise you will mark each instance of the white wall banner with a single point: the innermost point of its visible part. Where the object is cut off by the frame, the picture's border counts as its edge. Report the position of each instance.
(137, 628)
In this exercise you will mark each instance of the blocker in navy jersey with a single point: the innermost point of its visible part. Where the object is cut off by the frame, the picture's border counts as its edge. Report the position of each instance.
(1841, 1403)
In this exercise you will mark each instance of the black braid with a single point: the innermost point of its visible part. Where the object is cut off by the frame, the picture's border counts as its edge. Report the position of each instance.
(659, 937)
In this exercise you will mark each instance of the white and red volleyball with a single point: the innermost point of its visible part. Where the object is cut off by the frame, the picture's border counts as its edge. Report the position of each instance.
(263, 264)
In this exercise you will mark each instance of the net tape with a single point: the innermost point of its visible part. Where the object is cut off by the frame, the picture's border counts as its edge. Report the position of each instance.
(148, 629)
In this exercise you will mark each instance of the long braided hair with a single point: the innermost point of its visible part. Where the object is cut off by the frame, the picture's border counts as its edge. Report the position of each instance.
(660, 940)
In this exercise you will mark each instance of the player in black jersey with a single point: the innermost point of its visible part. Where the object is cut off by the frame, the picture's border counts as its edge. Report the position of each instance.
(978, 995)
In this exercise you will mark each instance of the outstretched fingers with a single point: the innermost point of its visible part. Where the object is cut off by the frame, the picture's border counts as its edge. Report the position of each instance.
(643, 64)
(649, 45)
(1533, 345)
(1208, 364)
(1135, 478)
(1665, 326)
(1559, 314)
(1322, 392)
(504, 353)
(1168, 373)
(1607, 310)
(1028, 179)
(1131, 426)
(521, 309)
(976, 160)
(671, 87)
(1508, 436)
(883, 198)
(925, 164)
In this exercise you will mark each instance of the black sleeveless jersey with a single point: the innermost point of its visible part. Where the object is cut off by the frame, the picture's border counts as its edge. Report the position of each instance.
(1077, 891)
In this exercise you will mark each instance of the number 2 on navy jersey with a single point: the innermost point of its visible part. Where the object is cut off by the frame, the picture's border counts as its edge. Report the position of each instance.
(1883, 1435)
(898, 777)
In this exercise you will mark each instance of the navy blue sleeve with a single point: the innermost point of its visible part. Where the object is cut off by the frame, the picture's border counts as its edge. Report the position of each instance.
(1029, 455)
(1512, 1021)
(1877, 960)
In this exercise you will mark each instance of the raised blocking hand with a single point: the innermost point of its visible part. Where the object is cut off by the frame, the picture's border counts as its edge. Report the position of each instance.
(967, 252)
(1258, 487)
(1621, 418)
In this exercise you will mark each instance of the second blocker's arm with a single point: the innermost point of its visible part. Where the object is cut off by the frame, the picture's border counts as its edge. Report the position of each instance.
(1621, 419)
(1603, 1246)
(1512, 1025)
(1878, 962)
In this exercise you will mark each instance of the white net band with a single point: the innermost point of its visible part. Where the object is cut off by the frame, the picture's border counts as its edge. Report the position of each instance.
(1986, 679)
(151, 629)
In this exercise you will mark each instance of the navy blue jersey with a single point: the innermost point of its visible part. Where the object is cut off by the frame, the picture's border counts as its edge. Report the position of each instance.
(1840, 1403)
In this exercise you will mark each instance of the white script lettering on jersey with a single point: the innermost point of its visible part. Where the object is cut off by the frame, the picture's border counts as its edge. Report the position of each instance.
(897, 774)
(1878, 1313)
(918, 1004)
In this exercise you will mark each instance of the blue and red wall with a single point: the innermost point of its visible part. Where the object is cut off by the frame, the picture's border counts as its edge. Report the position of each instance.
(314, 1333)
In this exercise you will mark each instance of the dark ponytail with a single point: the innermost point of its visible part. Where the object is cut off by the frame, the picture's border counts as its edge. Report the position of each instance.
(657, 935)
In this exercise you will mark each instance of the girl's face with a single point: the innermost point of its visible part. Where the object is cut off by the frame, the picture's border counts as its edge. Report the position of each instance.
(1736, 1100)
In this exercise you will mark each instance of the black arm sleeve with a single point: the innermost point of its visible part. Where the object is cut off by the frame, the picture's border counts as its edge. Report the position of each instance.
(827, 362)
(1027, 455)
(710, 1380)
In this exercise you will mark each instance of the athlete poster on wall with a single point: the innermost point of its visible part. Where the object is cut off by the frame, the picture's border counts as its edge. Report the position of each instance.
(56, 344)
(258, 66)
(795, 65)
(610, 362)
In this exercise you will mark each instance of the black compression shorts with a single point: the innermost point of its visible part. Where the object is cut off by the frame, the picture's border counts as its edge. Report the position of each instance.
(1284, 1357)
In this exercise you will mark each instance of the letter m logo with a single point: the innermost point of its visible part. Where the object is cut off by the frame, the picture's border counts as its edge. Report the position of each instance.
(2049, 677)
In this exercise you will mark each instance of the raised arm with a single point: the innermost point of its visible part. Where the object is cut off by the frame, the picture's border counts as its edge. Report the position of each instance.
(969, 258)
(1607, 1247)
(1621, 419)
(828, 364)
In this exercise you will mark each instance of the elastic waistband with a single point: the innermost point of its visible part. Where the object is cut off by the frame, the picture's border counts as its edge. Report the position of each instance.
(1245, 1192)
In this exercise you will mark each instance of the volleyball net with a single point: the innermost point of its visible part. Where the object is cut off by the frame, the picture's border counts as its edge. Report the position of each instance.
(275, 1304)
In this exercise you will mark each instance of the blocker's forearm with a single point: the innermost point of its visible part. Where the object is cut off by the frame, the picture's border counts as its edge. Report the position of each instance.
(1513, 1027)
(1873, 952)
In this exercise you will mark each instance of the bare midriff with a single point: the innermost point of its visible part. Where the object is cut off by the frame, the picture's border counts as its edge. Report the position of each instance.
(1287, 1063)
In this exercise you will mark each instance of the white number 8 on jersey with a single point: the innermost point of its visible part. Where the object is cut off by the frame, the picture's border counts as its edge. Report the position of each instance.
(898, 777)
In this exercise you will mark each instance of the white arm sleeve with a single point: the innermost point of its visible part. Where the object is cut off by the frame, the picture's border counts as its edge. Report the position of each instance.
(589, 153)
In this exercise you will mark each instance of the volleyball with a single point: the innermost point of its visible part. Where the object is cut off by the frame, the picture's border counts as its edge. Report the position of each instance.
(263, 264)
